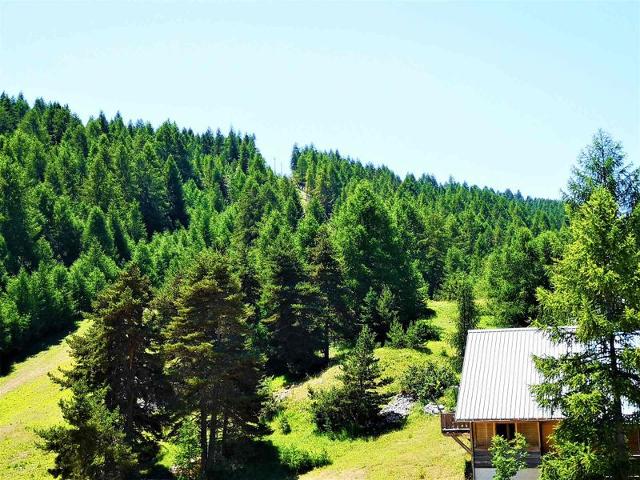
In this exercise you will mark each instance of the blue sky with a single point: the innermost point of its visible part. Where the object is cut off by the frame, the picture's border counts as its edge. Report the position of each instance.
(498, 94)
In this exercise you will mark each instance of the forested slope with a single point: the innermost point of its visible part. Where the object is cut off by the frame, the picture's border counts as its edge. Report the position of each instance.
(77, 201)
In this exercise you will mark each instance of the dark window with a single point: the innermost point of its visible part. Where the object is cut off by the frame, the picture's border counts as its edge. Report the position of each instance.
(506, 430)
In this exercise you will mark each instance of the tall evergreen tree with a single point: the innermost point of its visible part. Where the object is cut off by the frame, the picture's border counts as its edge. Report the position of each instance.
(211, 365)
(288, 302)
(117, 374)
(326, 274)
(601, 164)
(97, 231)
(596, 288)
(467, 317)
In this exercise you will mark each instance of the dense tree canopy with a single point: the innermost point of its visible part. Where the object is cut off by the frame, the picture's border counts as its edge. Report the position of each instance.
(78, 200)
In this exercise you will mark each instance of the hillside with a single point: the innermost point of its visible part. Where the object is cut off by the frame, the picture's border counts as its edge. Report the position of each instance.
(28, 400)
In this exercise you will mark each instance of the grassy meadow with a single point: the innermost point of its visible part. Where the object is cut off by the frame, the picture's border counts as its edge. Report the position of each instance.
(28, 400)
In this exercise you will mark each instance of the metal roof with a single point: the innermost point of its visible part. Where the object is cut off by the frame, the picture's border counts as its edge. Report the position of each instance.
(498, 371)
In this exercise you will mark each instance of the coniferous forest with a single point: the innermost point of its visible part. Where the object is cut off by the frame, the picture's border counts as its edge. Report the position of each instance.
(331, 241)
(201, 272)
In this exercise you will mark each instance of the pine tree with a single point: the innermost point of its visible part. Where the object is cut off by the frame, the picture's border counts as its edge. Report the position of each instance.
(288, 302)
(370, 254)
(16, 218)
(596, 288)
(211, 365)
(601, 165)
(326, 274)
(118, 373)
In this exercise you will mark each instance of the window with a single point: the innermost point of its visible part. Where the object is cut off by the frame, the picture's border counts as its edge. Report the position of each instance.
(506, 430)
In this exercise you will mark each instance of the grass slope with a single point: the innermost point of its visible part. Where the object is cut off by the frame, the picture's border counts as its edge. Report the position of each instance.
(29, 400)
(417, 451)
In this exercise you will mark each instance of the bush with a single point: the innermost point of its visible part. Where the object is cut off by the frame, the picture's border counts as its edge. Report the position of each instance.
(416, 335)
(327, 409)
(271, 405)
(508, 456)
(427, 382)
(300, 461)
(420, 332)
(187, 461)
(283, 423)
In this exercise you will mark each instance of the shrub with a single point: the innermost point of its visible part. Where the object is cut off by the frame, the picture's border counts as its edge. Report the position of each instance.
(300, 461)
(427, 382)
(326, 408)
(187, 461)
(420, 332)
(283, 423)
(508, 456)
(271, 404)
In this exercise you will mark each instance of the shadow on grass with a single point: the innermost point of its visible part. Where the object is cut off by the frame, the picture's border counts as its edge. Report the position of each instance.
(7, 362)
(255, 460)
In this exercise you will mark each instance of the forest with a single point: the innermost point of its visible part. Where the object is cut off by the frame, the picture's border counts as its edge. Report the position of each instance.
(203, 272)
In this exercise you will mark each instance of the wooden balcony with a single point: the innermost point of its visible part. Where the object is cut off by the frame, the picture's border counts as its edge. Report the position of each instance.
(451, 428)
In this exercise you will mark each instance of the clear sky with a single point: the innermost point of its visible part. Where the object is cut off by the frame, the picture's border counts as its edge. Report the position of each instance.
(499, 94)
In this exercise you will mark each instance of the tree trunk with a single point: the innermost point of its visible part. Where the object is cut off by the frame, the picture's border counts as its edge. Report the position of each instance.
(325, 347)
(203, 440)
(213, 436)
(622, 457)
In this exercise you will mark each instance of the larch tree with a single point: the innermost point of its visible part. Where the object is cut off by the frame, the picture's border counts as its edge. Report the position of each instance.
(596, 383)
(467, 318)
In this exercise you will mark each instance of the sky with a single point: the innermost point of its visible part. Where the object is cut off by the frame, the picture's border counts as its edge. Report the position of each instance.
(499, 94)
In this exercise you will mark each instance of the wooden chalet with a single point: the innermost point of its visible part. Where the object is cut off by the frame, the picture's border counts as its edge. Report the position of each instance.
(495, 398)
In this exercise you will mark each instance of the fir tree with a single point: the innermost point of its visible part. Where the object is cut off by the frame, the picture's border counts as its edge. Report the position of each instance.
(117, 373)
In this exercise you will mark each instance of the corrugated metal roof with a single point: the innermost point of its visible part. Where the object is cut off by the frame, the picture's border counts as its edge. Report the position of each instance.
(497, 374)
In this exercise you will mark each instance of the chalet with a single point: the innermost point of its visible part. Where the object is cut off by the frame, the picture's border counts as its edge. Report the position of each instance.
(495, 398)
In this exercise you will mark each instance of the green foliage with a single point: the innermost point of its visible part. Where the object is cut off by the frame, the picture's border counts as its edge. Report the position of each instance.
(595, 287)
(187, 442)
(467, 318)
(300, 461)
(416, 335)
(354, 406)
(601, 165)
(396, 337)
(514, 272)
(508, 456)
(420, 332)
(94, 445)
(210, 361)
(428, 382)
(116, 375)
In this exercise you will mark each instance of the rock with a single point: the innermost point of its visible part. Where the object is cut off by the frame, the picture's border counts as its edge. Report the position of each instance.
(398, 409)
(433, 409)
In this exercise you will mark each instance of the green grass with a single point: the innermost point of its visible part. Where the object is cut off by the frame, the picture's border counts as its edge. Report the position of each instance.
(416, 451)
(28, 400)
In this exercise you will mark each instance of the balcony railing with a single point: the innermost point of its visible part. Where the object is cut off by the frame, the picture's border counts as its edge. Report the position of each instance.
(449, 426)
